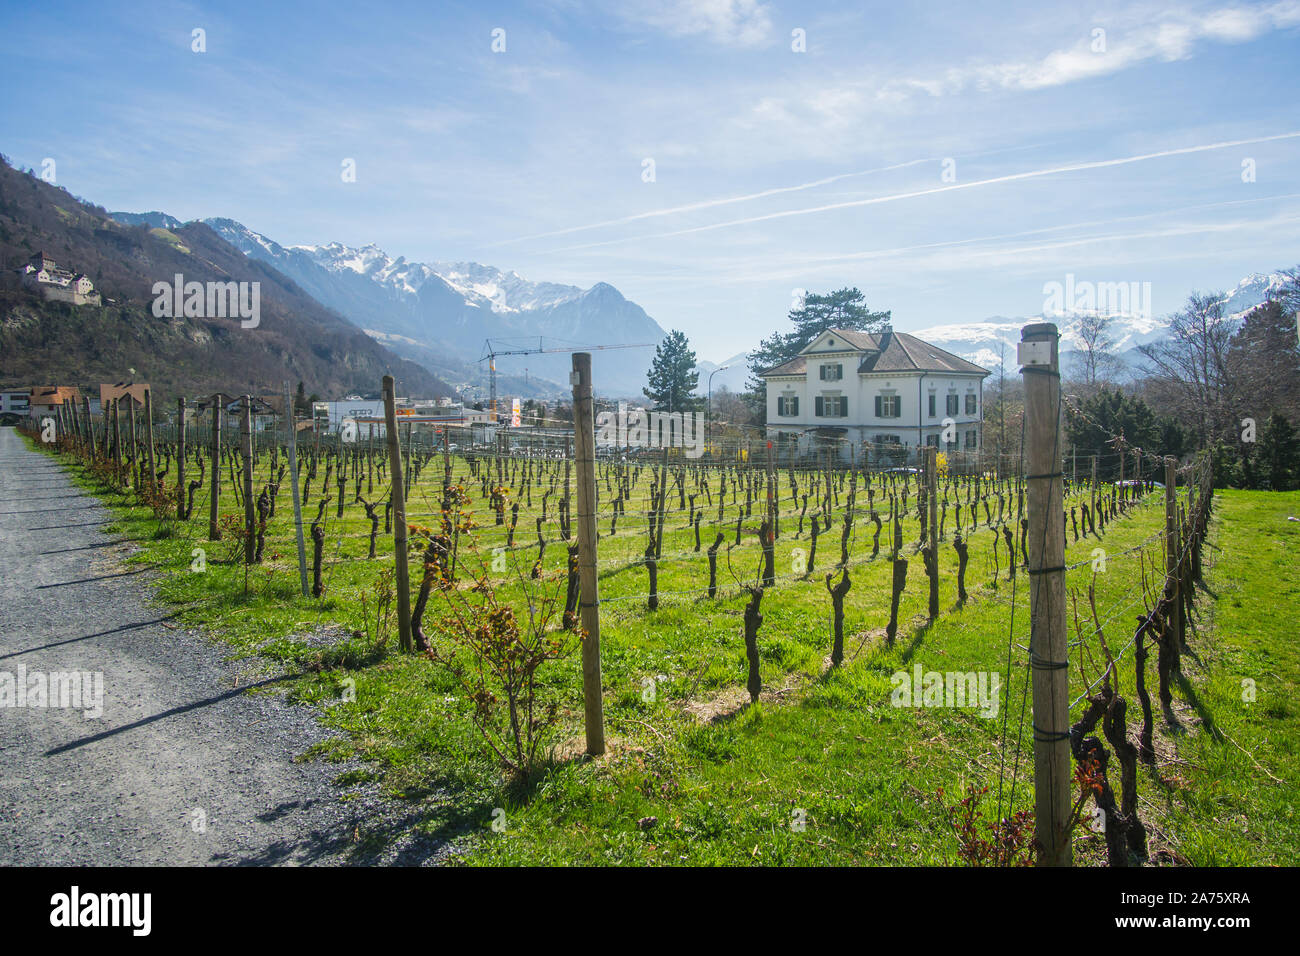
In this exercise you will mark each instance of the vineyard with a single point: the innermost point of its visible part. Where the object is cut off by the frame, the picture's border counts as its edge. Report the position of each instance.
(757, 614)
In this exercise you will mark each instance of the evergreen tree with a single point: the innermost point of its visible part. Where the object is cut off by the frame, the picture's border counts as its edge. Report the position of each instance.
(1277, 460)
(672, 375)
(1111, 412)
(1264, 363)
(842, 309)
(300, 404)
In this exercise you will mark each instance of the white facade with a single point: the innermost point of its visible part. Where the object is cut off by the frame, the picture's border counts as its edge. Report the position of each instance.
(15, 401)
(850, 387)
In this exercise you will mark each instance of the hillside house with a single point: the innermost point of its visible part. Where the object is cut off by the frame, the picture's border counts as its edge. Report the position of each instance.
(43, 273)
(891, 388)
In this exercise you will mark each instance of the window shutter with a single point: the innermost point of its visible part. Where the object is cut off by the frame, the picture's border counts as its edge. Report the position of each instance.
(817, 406)
(844, 407)
(878, 415)
(794, 406)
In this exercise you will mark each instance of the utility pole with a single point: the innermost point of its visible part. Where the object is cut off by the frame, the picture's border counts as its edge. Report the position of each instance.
(584, 442)
(1039, 358)
(398, 493)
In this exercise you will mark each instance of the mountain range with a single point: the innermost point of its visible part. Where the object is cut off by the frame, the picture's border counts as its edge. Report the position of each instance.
(340, 313)
(53, 342)
(441, 314)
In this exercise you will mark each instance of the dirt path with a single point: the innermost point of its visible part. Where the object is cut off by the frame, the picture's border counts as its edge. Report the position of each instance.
(180, 740)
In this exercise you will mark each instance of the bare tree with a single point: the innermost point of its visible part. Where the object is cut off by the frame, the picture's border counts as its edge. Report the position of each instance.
(1190, 366)
(1098, 347)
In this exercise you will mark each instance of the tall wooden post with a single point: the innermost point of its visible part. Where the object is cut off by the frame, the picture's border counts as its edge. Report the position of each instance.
(214, 500)
(90, 426)
(132, 444)
(932, 533)
(117, 441)
(398, 493)
(774, 528)
(293, 483)
(1092, 490)
(584, 441)
(246, 449)
(180, 458)
(148, 432)
(1174, 638)
(1038, 355)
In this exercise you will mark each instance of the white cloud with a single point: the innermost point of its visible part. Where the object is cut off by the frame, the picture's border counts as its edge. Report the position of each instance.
(745, 23)
(1173, 35)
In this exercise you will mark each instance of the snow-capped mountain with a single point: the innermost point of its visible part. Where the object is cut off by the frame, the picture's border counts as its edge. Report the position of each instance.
(480, 284)
(733, 379)
(1251, 291)
(440, 313)
(985, 343)
(989, 341)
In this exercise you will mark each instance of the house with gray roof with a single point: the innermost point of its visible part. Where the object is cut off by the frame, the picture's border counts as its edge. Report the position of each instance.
(888, 388)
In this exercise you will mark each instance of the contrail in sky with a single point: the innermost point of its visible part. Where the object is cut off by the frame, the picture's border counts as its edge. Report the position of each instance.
(710, 203)
(1012, 177)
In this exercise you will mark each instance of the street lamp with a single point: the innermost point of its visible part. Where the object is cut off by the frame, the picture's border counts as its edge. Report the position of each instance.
(720, 368)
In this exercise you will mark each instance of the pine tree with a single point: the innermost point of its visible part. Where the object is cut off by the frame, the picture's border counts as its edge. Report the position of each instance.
(842, 309)
(1264, 363)
(672, 375)
(1277, 459)
(1118, 414)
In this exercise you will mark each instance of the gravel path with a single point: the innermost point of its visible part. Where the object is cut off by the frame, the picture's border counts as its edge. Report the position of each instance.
(178, 733)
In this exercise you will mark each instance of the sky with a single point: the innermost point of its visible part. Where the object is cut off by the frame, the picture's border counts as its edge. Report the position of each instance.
(708, 159)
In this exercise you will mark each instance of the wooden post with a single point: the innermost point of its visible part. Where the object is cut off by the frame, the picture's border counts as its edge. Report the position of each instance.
(589, 601)
(398, 495)
(246, 449)
(132, 445)
(293, 484)
(117, 441)
(1039, 357)
(214, 500)
(90, 426)
(180, 458)
(1172, 644)
(932, 534)
(148, 431)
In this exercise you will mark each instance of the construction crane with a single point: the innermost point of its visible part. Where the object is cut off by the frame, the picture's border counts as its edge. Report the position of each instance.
(490, 353)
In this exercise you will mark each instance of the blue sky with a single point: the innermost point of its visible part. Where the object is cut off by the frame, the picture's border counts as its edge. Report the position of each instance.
(774, 170)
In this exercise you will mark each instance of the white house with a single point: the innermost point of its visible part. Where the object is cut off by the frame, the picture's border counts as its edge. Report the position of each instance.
(850, 387)
(16, 400)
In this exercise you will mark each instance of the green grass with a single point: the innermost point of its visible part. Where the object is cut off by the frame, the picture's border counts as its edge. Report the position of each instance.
(694, 775)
